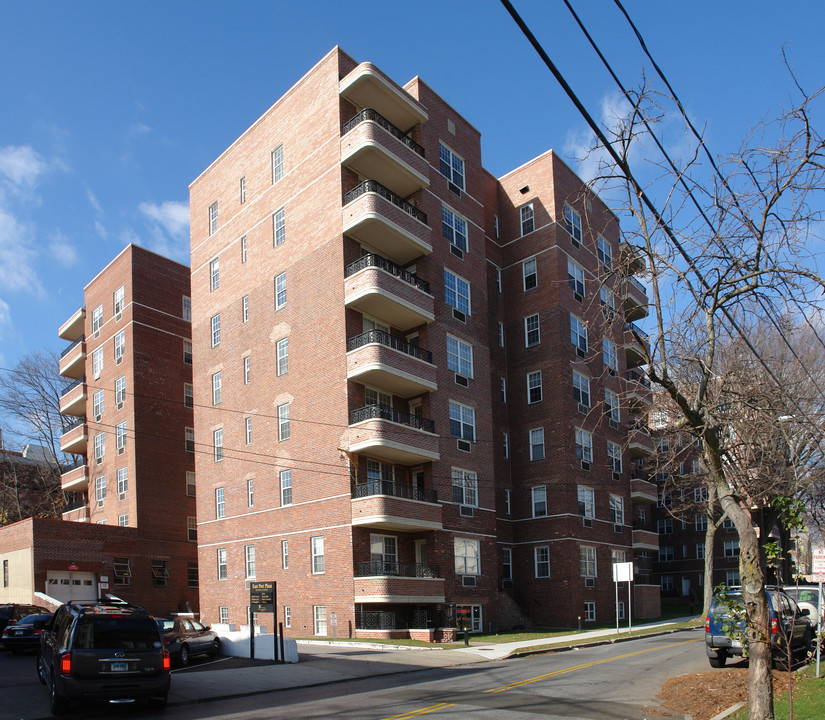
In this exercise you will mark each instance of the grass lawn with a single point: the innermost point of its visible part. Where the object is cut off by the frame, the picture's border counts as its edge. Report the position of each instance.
(808, 698)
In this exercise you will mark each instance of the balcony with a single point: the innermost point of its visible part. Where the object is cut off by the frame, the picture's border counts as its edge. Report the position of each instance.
(394, 582)
(377, 217)
(77, 511)
(74, 327)
(75, 479)
(642, 492)
(378, 287)
(367, 87)
(387, 505)
(638, 389)
(631, 259)
(73, 398)
(73, 359)
(634, 299)
(74, 437)
(639, 442)
(645, 536)
(636, 345)
(392, 436)
(385, 361)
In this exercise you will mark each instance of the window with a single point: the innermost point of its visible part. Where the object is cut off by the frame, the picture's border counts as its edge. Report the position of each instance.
(100, 490)
(666, 553)
(501, 334)
(5, 573)
(384, 554)
(100, 447)
(245, 309)
(731, 548)
(468, 617)
(277, 163)
(97, 362)
(192, 575)
(282, 351)
(700, 495)
(731, 578)
(526, 218)
(248, 430)
(605, 252)
(529, 274)
(189, 439)
(283, 422)
(243, 190)
(187, 352)
(250, 492)
(584, 445)
(190, 483)
(618, 556)
(319, 616)
(454, 229)
(664, 526)
(462, 421)
(380, 472)
(280, 290)
(539, 497)
(465, 487)
(122, 482)
(217, 442)
(666, 582)
(614, 456)
(611, 402)
(120, 346)
(97, 320)
(214, 274)
(317, 544)
(575, 278)
(213, 218)
(581, 389)
(249, 555)
(188, 395)
(279, 226)
(609, 355)
(451, 166)
(507, 502)
(122, 571)
(119, 296)
(220, 503)
(246, 370)
(532, 336)
(120, 392)
(216, 330)
(223, 614)
(503, 389)
(286, 487)
(700, 551)
(700, 522)
(573, 223)
(587, 561)
(120, 437)
(578, 335)
(536, 439)
(222, 564)
(243, 248)
(534, 393)
(216, 388)
(459, 357)
(590, 611)
(98, 403)
(727, 523)
(541, 557)
(506, 563)
(505, 440)
(186, 311)
(616, 510)
(287, 616)
(608, 302)
(192, 529)
(467, 556)
(285, 554)
(457, 292)
(586, 499)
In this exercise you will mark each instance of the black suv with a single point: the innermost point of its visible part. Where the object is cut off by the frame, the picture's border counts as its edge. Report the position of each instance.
(103, 651)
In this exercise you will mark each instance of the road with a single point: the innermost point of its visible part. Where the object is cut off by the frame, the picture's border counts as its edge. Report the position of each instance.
(606, 682)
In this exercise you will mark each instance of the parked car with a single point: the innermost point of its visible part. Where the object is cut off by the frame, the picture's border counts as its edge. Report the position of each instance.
(103, 651)
(12, 612)
(725, 627)
(807, 597)
(25, 633)
(185, 637)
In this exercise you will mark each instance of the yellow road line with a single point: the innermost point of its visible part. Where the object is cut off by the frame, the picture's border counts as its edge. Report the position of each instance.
(422, 711)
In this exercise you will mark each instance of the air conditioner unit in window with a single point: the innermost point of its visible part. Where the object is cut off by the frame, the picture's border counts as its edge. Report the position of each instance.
(617, 528)
(454, 188)
(457, 251)
(468, 580)
(120, 406)
(467, 511)
(507, 584)
(578, 297)
(580, 352)
(463, 445)
(97, 418)
(99, 460)
(614, 424)
(458, 315)
(120, 451)
(585, 465)
(584, 409)
(590, 582)
(575, 242)
(587, 522)
(617, 476)
(461, 380)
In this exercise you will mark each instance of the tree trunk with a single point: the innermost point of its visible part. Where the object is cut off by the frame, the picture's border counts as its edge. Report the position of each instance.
(710, 539)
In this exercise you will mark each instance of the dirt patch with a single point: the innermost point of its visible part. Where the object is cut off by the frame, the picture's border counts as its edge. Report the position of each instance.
(704, 695)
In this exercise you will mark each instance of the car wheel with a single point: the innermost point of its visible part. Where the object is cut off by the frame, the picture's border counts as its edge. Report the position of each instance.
(57, 702)
(215, 648)
(718, 661)
(184, 655)
(40, 676)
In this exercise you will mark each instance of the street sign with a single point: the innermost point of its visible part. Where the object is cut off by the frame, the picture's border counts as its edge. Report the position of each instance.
(262, 596)
(622, 572)
(818, 561)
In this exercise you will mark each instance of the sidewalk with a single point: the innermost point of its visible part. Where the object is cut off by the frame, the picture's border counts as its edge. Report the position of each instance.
(326, 662)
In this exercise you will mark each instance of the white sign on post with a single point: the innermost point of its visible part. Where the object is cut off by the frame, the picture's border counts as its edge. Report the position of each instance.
(623, 572)
(818, 564)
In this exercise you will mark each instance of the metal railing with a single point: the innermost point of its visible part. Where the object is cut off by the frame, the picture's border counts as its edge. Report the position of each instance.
(646, 526)
(72, 385)
(375, 620)
(385, 412)
(393, 489)
(373, 260)
(638, 377)
(396, 343)
(634, 328)
(635, 283)
(375, 568)
(72, 346)
(387, 194)
(69, 425)
(380, 120)
(64, 469)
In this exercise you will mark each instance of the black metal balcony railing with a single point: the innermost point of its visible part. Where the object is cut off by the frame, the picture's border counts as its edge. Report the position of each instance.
(76, 504)
(380, 120)
(72, 466)
(634, 328)
(72, 346)
(635, 283)
(396, 569)
(396, 343)
(69, 425)
(636, 474)
(72, 385)
(387, 194)
(393, 489)
(646, 526)
(638, 377)
(385, 412)
(373, 260)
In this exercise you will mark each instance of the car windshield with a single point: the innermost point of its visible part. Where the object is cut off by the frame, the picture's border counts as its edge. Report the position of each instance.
(165, 625)
(804, 595)
(116, 633)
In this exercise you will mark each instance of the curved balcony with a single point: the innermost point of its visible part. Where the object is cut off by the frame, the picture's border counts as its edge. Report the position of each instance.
(75, 479)
(638, 390)
(74, 327)
(394, 582)
(393, 436)
(378, 287)
(642, 492)
(367, 87)
(73, 359)
(639, 442)
(631, 259)
(645, 536)
(73, 398)
(634, 299)
(387, 505)
(636, 345)
(377, 217)
(385, 361)
(74, 438)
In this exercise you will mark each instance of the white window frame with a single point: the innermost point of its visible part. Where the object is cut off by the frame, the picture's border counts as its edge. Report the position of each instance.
(222, 564)
(100, 490)
(220, 503)
(277, 163)
(217, 442)
(584, 445)
(100, 447)
(586, 499)
(249, 562)
(97, 320)
(285, 554)
(283, 422)
(98, 403)
(536, 442)
(589, 611)
(213, 218)
(454, 229)
(190, 483)
(250, 492)
(578, 333)
(280, 290)
(573, 223)
(189, 439)
(457, 292)
(285, 477)
(317, 553)
(243, 248)
(534, 387)
(575, 277)
(467, 556)
(611, 401)
(616, 506)
(123, 520)
(187, 352)
(192, 528)
(120, 391)
(214, 274)
(588, 567)
(217, 393)
(279, 226)
(730, 548)
(451, 166)
(242, 190)
(527, 218)
(122, 482)
(463, 419)
(541, 561)
(581, 389)
(248, 430)
(120, 436)
(538, 500)
(282, 353)
(529, 274)
(319, 620)
(532, 330)
(611, 360)
(119, 301)
(188, 395)
(246, 369)
(97, 362)
(245, 309)
(605, 252)
(614, 456)
(459, 357)
(216, 330)
(465, 487)
(120, 346)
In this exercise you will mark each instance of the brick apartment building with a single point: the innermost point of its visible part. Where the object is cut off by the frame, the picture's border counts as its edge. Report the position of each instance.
(418, 403)
(130, 365)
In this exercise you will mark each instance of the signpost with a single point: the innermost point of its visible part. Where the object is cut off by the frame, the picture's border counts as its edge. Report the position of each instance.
(263, 598)
(818, 571)
(623, 572)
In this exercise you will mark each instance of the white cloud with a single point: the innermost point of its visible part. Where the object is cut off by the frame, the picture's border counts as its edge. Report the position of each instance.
(5, 318)
(169, 228)
(93, 201)
(17, 258)
(103, 234)
(21, 164)
(63, 251)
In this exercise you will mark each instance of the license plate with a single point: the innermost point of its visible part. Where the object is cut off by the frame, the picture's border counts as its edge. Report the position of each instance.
(19, 632)
(120, 667)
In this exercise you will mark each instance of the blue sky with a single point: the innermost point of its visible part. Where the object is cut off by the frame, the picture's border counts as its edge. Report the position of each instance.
(110, 109)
